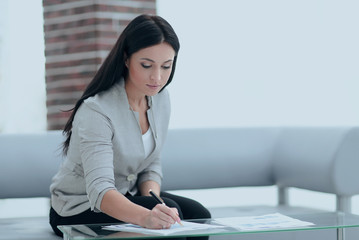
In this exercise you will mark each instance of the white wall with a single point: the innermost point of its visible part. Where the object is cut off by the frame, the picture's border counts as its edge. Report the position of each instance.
(278, 62)
(22, 78)
(242, 63)
(3, 19)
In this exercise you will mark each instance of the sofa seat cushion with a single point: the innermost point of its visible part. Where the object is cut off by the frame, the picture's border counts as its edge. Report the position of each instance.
(31, 228)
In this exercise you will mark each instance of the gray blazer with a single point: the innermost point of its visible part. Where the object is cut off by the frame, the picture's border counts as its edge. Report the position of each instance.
(106, 151)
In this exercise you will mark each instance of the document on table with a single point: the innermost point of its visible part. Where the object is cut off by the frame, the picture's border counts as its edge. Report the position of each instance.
(262, 222)
(175, 228)
(250, 223)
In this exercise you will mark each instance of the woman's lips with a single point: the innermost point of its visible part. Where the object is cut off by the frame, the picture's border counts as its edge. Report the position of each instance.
(153, 87)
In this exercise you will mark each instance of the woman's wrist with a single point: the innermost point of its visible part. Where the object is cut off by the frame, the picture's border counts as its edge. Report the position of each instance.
(143, 218)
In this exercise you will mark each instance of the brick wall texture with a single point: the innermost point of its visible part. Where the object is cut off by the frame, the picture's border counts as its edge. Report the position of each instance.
(78, 37)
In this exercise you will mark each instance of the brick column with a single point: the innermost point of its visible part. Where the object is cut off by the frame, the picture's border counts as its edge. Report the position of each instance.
(78, 36)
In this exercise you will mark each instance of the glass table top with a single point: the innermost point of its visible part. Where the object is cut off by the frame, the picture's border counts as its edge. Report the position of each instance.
(327, 220)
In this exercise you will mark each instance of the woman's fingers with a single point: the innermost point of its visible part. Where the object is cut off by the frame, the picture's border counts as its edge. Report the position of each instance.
(178, 219)
(166, 215)
(175, 210)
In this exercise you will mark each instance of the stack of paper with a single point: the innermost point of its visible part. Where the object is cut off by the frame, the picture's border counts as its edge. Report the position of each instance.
(252, 223)
(269, 221)
(175, 228)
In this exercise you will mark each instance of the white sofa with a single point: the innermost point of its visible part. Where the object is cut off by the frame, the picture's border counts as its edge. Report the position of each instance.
(324, 159)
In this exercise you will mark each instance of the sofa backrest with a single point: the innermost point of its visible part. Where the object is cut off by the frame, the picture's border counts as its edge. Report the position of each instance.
(221, 157)
(324, 159)
(28, 162)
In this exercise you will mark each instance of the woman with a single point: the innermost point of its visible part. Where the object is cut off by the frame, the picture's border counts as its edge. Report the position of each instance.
(115, 134)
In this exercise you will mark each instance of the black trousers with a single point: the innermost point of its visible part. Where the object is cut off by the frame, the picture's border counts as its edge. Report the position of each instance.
(187, 209)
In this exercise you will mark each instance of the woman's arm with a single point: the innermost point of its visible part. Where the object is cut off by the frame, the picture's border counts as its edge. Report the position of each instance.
(147, 185)
(118, 206)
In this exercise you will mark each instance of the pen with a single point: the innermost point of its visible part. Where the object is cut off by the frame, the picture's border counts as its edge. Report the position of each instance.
(156, 197)
(159, 200)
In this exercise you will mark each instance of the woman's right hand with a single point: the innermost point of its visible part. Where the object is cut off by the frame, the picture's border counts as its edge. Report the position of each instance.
(161, 217)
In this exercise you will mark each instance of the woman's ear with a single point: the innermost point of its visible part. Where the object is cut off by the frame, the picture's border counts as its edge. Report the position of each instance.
(126, 59)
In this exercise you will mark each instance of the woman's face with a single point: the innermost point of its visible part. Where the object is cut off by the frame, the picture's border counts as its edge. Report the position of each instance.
(149, 69)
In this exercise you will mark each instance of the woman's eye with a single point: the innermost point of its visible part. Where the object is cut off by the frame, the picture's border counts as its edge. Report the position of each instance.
(145, 65)
(166, 67)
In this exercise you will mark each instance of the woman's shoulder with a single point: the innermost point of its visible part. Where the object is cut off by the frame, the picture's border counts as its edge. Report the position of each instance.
(106, 99)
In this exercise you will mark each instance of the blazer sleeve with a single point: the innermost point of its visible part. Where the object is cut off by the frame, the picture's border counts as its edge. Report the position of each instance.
(152, 173)
(95, 134)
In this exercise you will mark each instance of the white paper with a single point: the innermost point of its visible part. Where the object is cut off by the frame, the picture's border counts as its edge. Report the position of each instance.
(262, 222)
(175, 228)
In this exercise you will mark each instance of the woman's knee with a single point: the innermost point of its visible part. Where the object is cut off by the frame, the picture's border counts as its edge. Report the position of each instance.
(173, 204)
(191, 209)
(53, 220)
(203, 213)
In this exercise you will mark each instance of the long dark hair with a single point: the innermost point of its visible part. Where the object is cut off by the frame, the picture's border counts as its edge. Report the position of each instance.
(142, 32)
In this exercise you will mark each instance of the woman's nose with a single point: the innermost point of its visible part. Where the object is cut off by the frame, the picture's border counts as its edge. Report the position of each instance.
(156, 74)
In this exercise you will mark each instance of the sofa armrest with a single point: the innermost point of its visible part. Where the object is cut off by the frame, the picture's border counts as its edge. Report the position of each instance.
(322, 159)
